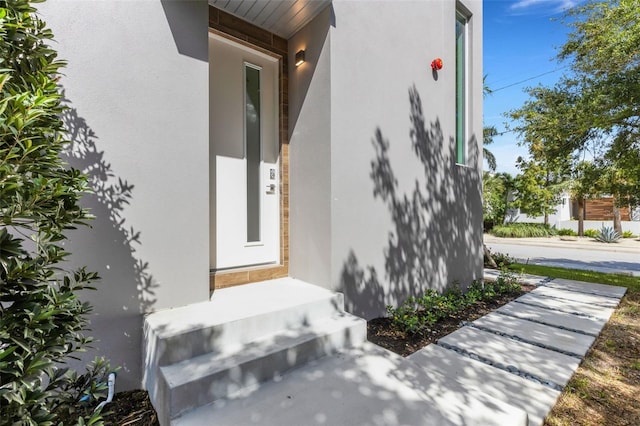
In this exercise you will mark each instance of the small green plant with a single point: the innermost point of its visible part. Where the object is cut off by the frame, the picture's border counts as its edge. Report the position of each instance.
(80, 393)
(567, 232)
(523, 230)
(607, 235)
(503, 259)
(628, 234)
(580, 386)
(406, 318)
(417, 314)
(507, 282)
(591, 233)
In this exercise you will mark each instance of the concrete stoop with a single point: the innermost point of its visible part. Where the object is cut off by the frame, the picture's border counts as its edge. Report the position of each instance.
(244, 336)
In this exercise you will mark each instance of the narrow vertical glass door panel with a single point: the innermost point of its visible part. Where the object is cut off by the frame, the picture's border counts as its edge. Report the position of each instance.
(252, 150)
(461, 90)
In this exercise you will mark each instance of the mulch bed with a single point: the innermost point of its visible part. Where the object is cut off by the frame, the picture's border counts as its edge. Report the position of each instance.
(133, 408)
(382, 332)
(130, 408)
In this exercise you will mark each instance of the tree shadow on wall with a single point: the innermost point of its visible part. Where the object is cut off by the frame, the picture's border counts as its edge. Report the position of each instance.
(434, 239)
(127, 287)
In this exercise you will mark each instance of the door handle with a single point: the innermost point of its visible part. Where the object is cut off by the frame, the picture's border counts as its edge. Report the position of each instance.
(271, 188)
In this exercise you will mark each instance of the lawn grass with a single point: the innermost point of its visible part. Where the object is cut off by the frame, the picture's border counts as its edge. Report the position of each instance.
(604, 390)
(622, 280)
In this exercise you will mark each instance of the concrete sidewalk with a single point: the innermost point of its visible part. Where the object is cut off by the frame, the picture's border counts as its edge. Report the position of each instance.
(623, 245)
(506, 368)
(622, 257)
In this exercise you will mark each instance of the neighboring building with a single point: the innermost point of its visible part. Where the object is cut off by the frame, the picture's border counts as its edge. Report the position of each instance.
(563, 212)
(217, 161)
(598, 212)
(600, 208)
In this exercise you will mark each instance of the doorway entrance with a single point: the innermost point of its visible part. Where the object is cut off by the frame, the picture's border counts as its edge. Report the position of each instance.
(244, 156)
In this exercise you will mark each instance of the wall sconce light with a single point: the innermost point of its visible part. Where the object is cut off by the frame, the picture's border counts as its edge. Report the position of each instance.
(436, 64)
(299, 58)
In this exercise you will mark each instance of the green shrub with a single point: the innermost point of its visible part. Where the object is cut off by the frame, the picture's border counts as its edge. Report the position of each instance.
(591, 233)
(417, 314)
(506, 283)
(607, 235)
(567, 232)
(502, 259)
(42, 319)
(523, 230)
(627, 234)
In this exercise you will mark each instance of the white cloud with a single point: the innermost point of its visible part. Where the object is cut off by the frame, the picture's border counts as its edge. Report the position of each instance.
(552, 6)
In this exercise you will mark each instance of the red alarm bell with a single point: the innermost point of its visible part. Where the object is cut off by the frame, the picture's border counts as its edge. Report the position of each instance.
(436, 64)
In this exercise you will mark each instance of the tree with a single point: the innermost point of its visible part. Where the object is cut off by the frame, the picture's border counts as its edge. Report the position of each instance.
(537, 192)
(42, 319)
(602, 49)
(542, 124)
(488, 133)
(604, 54)
(495, 193)
(585, 182)
(620, 175)
(593, 108)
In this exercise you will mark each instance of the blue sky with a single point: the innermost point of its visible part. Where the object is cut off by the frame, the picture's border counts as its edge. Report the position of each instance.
(521, 40)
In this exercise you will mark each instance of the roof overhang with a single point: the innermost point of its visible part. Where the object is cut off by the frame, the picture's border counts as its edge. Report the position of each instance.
(281, 17)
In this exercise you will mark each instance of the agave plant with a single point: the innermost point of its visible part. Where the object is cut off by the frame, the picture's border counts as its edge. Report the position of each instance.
(607, 235)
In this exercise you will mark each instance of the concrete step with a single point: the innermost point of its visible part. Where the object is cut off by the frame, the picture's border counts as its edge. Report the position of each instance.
(242, 337)
(361, 386)
(209, 377)
(235, 316)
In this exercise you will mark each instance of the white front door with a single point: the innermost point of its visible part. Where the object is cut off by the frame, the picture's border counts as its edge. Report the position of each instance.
(244, 156)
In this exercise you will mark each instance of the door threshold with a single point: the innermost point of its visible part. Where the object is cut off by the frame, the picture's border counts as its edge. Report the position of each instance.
(246, 275)
(243, 268)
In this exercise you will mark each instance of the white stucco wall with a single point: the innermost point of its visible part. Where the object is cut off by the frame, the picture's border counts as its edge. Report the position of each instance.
(137, 86)
(310, 153)
(382, 250)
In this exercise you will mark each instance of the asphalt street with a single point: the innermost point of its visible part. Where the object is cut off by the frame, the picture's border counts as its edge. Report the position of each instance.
(576, 258)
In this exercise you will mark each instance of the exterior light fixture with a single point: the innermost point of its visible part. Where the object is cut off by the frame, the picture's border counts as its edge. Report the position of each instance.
(299, 58)
(436, 64)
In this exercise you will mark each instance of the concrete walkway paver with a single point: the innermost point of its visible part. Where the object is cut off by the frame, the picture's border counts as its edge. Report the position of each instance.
(587, 325)
(562, 305)
(477, 377)
(575, 296)
(553, 338)
(590, 288)
(548, 366)
(506, 368)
